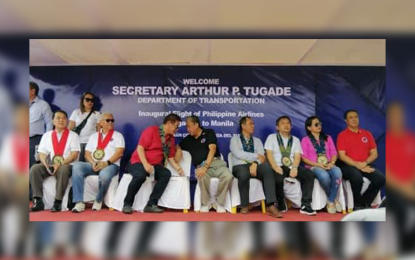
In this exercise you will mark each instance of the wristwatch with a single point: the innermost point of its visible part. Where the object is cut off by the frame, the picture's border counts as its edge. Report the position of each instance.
(255, 162)
(109, 162)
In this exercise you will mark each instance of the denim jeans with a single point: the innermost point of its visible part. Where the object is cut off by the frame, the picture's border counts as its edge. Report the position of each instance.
(330, 180)
(81, 170)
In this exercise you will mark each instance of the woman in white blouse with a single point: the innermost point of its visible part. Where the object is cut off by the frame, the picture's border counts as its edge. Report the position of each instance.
(88, 127)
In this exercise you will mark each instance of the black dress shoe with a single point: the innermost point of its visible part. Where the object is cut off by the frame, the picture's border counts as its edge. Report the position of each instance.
(153, 209)
(37, 205)
(127, 209)
(57, 206)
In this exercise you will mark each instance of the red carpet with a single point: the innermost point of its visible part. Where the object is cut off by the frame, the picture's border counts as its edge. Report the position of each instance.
(172, 215)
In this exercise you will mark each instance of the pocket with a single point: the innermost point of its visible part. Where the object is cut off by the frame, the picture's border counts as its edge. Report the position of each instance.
(221, 163)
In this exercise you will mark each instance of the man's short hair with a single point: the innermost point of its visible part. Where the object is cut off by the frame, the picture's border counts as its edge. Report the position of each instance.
(194, 119)
(349, 111)
(59, 111)
(281, 118)
(173, 118)
(242, 121)
(34, 86)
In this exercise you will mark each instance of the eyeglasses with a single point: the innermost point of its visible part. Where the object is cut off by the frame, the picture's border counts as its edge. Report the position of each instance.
(109, 120)
(318, 124)
(89, 100)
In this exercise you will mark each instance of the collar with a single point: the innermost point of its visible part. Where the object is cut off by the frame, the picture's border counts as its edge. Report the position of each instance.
(36, 99)
(283, 137)
(59, 134)
(201, 134)
(248, 137)
(359, 130)
(102, 132)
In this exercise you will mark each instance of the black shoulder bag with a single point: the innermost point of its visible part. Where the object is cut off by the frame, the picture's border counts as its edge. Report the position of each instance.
(81, 126)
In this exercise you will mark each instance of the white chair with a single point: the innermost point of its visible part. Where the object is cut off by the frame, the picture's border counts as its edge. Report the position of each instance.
(49, 193)
(320, 197)
(175, 196)
(91, 187)
(293, 193)
(256, 191)
(213, 190)
(349, 194)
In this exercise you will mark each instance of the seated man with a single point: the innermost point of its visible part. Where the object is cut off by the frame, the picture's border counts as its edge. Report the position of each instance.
(284, 154)
(58, 149)
(249, 162)
(357, 150)
(103, 154)
(155, 149)
(202, 145)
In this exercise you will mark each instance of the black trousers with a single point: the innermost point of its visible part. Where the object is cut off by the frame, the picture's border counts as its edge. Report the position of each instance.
(355, 176)
(162, 177)
(273, 184)
(306, 178)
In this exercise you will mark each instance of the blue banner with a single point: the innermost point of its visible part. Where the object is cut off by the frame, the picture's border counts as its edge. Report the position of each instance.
(140, 96)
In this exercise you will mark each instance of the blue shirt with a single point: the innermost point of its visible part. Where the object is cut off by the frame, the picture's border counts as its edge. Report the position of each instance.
(40, 116)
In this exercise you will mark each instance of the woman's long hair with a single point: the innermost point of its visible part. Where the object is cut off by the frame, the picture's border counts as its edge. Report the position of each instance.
(81, 103)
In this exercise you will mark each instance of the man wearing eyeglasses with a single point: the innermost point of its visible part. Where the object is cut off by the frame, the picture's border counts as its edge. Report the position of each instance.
(155, 149)
(284, 152)
(103, 154)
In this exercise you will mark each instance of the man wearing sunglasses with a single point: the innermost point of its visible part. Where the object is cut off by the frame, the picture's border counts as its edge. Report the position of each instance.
(103, 154)
(357, 149)
(155, 149)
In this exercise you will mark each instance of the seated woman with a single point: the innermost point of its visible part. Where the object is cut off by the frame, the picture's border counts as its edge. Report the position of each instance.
(319, 154)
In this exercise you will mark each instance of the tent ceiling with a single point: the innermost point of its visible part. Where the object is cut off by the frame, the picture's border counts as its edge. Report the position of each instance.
(51, 52)
(212, 15)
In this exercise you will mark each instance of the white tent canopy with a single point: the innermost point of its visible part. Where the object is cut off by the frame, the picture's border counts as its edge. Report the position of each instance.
(54, 52)
(209, 15)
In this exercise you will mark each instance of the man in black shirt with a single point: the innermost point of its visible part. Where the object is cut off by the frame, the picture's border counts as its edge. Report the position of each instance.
(202, 145)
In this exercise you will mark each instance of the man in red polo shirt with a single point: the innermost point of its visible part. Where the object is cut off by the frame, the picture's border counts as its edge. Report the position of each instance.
(155, 149)
(357, 149)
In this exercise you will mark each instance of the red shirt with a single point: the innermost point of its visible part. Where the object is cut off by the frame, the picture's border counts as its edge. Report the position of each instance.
(400, 156)
(153, 149)
(356, 145)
